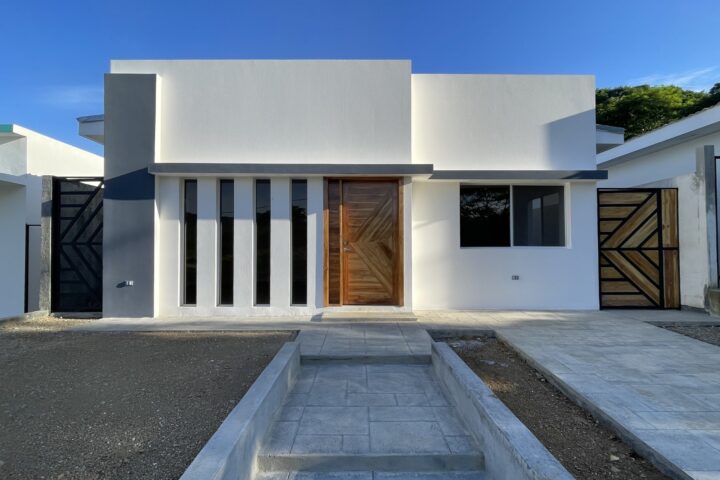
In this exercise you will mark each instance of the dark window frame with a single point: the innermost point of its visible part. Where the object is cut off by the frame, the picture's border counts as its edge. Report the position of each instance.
(226, 253)
(189, 289)
(511, 206)
(262, 290)
(298, 253)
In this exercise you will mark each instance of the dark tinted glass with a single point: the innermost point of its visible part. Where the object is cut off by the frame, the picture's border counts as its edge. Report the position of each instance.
(299, 242)
(227, 214)
(190, 239)
(538, 216)
(262, 242)
(484, 216)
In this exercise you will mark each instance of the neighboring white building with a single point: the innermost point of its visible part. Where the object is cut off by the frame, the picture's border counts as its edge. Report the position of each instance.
(25, 157)
(681, 155)
(363, 167)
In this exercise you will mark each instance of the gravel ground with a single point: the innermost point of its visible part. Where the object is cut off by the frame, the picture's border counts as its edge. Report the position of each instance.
(117, 405)
(586, 449)
(704, 333)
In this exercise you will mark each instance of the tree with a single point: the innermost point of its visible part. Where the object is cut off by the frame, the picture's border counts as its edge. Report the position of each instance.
(643, 108)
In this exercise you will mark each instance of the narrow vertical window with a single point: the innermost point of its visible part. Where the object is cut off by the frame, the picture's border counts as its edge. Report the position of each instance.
(190, 240)
(227, 215)
(262, 242)
(299, 242)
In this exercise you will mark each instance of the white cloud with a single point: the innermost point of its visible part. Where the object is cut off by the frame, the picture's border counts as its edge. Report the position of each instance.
(73, 96)
(699, 79)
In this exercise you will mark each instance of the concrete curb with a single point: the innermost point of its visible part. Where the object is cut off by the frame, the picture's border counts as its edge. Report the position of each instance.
(232, 450)
(26, 316)
(653, 456)
(511, 450)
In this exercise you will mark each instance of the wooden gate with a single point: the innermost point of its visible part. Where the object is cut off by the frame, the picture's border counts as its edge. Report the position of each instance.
(638, 242)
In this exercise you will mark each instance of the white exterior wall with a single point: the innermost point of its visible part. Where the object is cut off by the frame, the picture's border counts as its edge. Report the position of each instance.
(676, 166)
(12, 249)
(281, 111)
(446, 276)
(504, 122)
(360, 112)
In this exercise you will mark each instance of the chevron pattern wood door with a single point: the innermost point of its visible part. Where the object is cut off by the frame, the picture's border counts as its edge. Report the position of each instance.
(370, 243)
(639, 248)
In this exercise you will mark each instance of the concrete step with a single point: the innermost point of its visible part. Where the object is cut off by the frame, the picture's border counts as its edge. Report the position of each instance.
(372, 475)
(316, 462)
(365, 316)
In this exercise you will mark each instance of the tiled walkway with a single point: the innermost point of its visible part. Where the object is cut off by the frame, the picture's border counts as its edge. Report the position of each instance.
(389, 416)
(658, 387)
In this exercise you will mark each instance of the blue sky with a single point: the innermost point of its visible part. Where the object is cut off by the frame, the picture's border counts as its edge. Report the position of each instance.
(55, 52)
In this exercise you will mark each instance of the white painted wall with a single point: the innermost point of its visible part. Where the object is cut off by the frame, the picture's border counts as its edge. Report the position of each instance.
(12, 249)
(676, 166)
(446, 276)
(281, 111)
(504, 122)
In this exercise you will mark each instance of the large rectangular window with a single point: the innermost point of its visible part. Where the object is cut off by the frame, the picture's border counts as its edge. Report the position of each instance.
(190, 242)
(299, 242)
(262, 242)
(538, 217)
(484, 216)
(226, 221)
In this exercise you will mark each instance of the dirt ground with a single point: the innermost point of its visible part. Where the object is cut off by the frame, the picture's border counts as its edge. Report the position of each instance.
(587, 449)
(117, 405)
(708, 334)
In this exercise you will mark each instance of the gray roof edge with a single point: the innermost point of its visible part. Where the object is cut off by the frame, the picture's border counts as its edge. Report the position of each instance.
(92, 118)
(609, 128)
(519, 175)
(291, 168)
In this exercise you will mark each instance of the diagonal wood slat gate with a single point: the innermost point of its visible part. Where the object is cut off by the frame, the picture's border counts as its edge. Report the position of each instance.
(639, 248)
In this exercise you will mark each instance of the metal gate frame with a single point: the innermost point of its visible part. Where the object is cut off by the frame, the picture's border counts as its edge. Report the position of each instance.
(58, 241)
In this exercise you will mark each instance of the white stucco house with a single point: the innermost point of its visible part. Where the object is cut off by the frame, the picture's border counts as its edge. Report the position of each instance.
(680, 155)
(25, 157)
(247, 187)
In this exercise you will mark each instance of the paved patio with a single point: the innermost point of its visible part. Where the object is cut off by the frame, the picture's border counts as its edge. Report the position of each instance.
(660, 389)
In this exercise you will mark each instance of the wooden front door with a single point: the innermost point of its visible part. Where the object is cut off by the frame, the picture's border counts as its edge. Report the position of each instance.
(639, 250)
(364, 244)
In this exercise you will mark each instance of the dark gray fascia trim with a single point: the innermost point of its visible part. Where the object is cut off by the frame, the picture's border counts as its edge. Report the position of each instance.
(91, 118)
(609, 128)
(289, 169)
(519, 175)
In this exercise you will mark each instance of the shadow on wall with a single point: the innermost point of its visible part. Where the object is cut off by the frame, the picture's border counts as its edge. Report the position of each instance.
(567, 136)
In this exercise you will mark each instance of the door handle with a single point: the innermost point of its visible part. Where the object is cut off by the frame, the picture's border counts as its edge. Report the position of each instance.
(347, 249)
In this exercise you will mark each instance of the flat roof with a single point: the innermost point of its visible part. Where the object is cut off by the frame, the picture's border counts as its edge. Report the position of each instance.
(704, 122)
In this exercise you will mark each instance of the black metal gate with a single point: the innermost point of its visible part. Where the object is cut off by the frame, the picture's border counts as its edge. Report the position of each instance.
(77, 222)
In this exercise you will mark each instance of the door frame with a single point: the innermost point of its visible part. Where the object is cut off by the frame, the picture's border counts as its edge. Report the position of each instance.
(399, 267)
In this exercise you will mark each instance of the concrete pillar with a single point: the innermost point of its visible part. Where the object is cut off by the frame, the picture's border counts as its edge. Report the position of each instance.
(280, 243)
(129, 198)
(207, 261)
(46, 244)
(315, 242)
(168, 238)
(244, 241)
